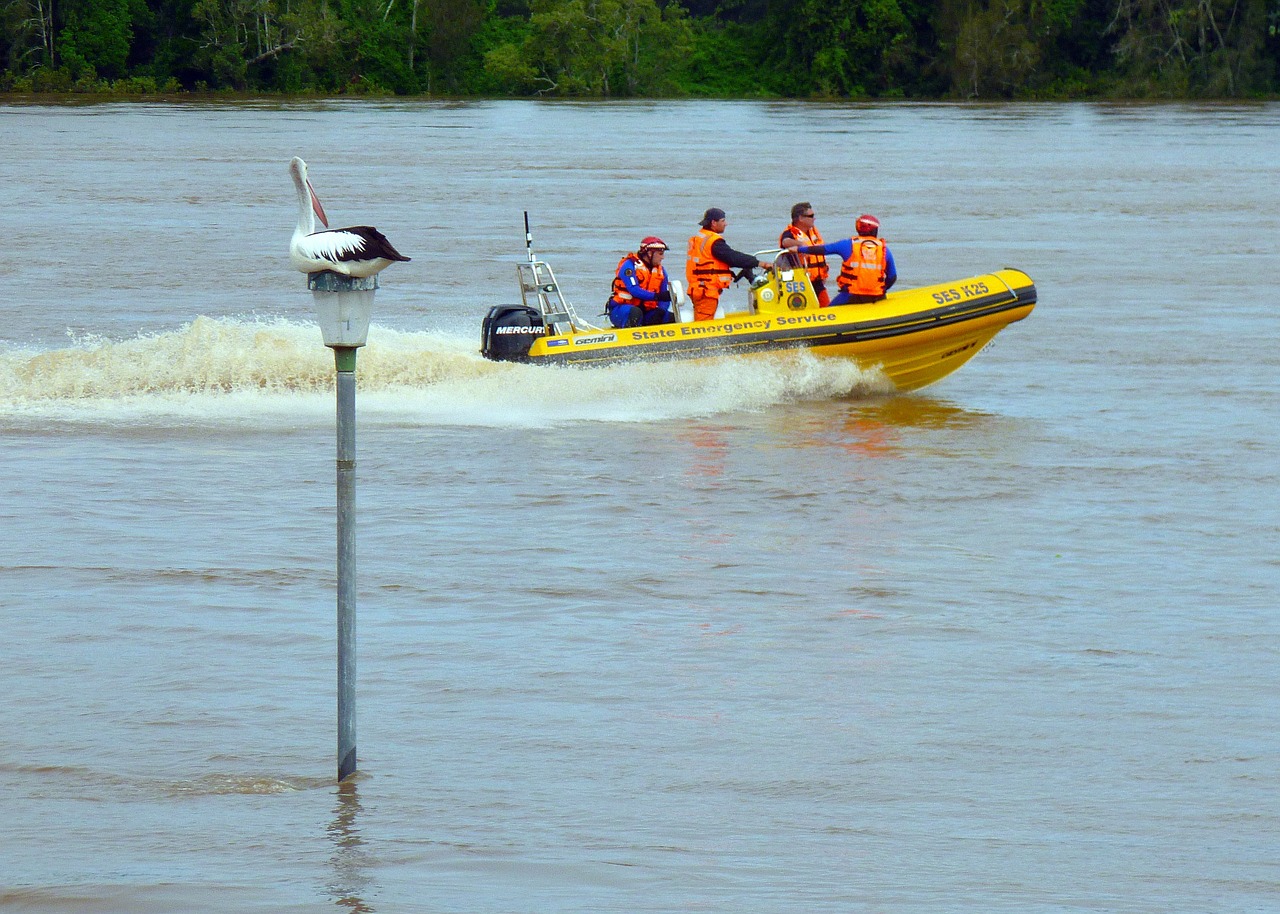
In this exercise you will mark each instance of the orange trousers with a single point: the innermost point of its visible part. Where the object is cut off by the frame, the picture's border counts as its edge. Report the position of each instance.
(704, 307)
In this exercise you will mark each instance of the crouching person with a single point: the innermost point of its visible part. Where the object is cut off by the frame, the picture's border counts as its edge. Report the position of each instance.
(641, 294)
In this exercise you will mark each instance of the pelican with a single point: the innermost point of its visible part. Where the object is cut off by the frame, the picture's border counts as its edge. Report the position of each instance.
(358, 251)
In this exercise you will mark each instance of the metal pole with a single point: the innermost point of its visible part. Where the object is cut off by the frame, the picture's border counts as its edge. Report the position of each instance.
(345, 360)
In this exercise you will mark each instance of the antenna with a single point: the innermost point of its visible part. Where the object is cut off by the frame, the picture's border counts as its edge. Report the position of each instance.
(539, 290)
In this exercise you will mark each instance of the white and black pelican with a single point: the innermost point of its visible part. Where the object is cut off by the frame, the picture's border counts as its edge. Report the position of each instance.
(359, 251)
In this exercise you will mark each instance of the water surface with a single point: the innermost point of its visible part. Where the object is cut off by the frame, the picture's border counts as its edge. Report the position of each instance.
(744, 636)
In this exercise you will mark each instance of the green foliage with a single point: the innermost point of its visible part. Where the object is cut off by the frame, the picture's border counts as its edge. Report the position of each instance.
(853, 48)
(1271, 45)
(97, 36)
(378, 48)
(28, 36)
(629, 48)
(1179, 48)
(595, 48)
(725, 62)
(455, 30)
(841, 47)
(469, 74)
(45, 79)
(996, 53)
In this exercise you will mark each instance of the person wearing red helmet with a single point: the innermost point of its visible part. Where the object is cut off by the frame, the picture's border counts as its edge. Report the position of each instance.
(868, 270)
(641, 294)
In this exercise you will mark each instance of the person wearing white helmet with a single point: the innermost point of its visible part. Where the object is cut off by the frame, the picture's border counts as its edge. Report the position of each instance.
(868, 271)
(641, 293)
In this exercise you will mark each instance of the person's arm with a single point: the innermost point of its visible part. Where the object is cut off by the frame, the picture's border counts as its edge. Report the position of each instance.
(844, 248)
(721, 251)
(789, 242)
(628, 276)
(890, 269)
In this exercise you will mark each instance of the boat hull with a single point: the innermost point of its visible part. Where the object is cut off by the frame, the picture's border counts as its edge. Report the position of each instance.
(914, 337)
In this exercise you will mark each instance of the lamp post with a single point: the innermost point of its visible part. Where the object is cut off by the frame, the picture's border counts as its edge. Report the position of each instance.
(343, 305)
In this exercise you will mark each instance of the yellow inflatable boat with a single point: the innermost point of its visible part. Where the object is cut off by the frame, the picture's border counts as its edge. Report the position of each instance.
(914, 336)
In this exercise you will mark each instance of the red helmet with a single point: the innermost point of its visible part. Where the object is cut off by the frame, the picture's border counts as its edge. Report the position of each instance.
(867, 225)
(653, 243)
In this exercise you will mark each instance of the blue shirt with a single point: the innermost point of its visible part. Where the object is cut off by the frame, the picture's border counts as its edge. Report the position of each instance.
(845, 249)
(627, 274)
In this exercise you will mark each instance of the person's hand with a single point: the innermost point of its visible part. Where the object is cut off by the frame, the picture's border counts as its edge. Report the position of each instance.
(766, 265)
(664, 295)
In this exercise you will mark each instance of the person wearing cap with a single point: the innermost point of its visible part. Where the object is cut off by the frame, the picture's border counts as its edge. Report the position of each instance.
(710, 263)
(641, 294)
(868, 270)
(802, 230)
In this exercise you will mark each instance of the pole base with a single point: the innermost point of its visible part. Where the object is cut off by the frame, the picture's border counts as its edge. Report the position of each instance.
(347, 765)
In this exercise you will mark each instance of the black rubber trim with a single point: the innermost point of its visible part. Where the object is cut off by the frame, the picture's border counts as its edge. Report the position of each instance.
(800, 337)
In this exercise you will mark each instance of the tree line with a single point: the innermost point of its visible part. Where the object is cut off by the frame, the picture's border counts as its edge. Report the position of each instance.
(648, 48)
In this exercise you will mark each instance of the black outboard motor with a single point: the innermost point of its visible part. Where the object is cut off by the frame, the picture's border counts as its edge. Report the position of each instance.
(508, 332)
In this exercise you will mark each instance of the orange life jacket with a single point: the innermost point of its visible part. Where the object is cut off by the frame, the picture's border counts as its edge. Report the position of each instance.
(706, 274)
(648, 278)
(817, 264)
(863, 272)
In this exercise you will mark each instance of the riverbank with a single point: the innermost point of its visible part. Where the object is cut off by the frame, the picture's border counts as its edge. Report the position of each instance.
(145, 92)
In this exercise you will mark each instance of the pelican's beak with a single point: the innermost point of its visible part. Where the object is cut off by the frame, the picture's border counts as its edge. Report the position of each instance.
(316, 207)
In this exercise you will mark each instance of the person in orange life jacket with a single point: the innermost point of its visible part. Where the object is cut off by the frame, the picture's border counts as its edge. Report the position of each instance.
(868, 271)
(641, 293)
(710, 263)
(803, 231)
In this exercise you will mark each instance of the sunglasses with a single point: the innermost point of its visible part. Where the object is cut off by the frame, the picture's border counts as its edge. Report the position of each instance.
(807, 215)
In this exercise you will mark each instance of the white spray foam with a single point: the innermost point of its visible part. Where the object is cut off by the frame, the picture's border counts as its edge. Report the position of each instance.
(264, 371)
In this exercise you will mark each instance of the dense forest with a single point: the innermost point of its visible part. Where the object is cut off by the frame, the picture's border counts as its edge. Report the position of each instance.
(648, 48)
